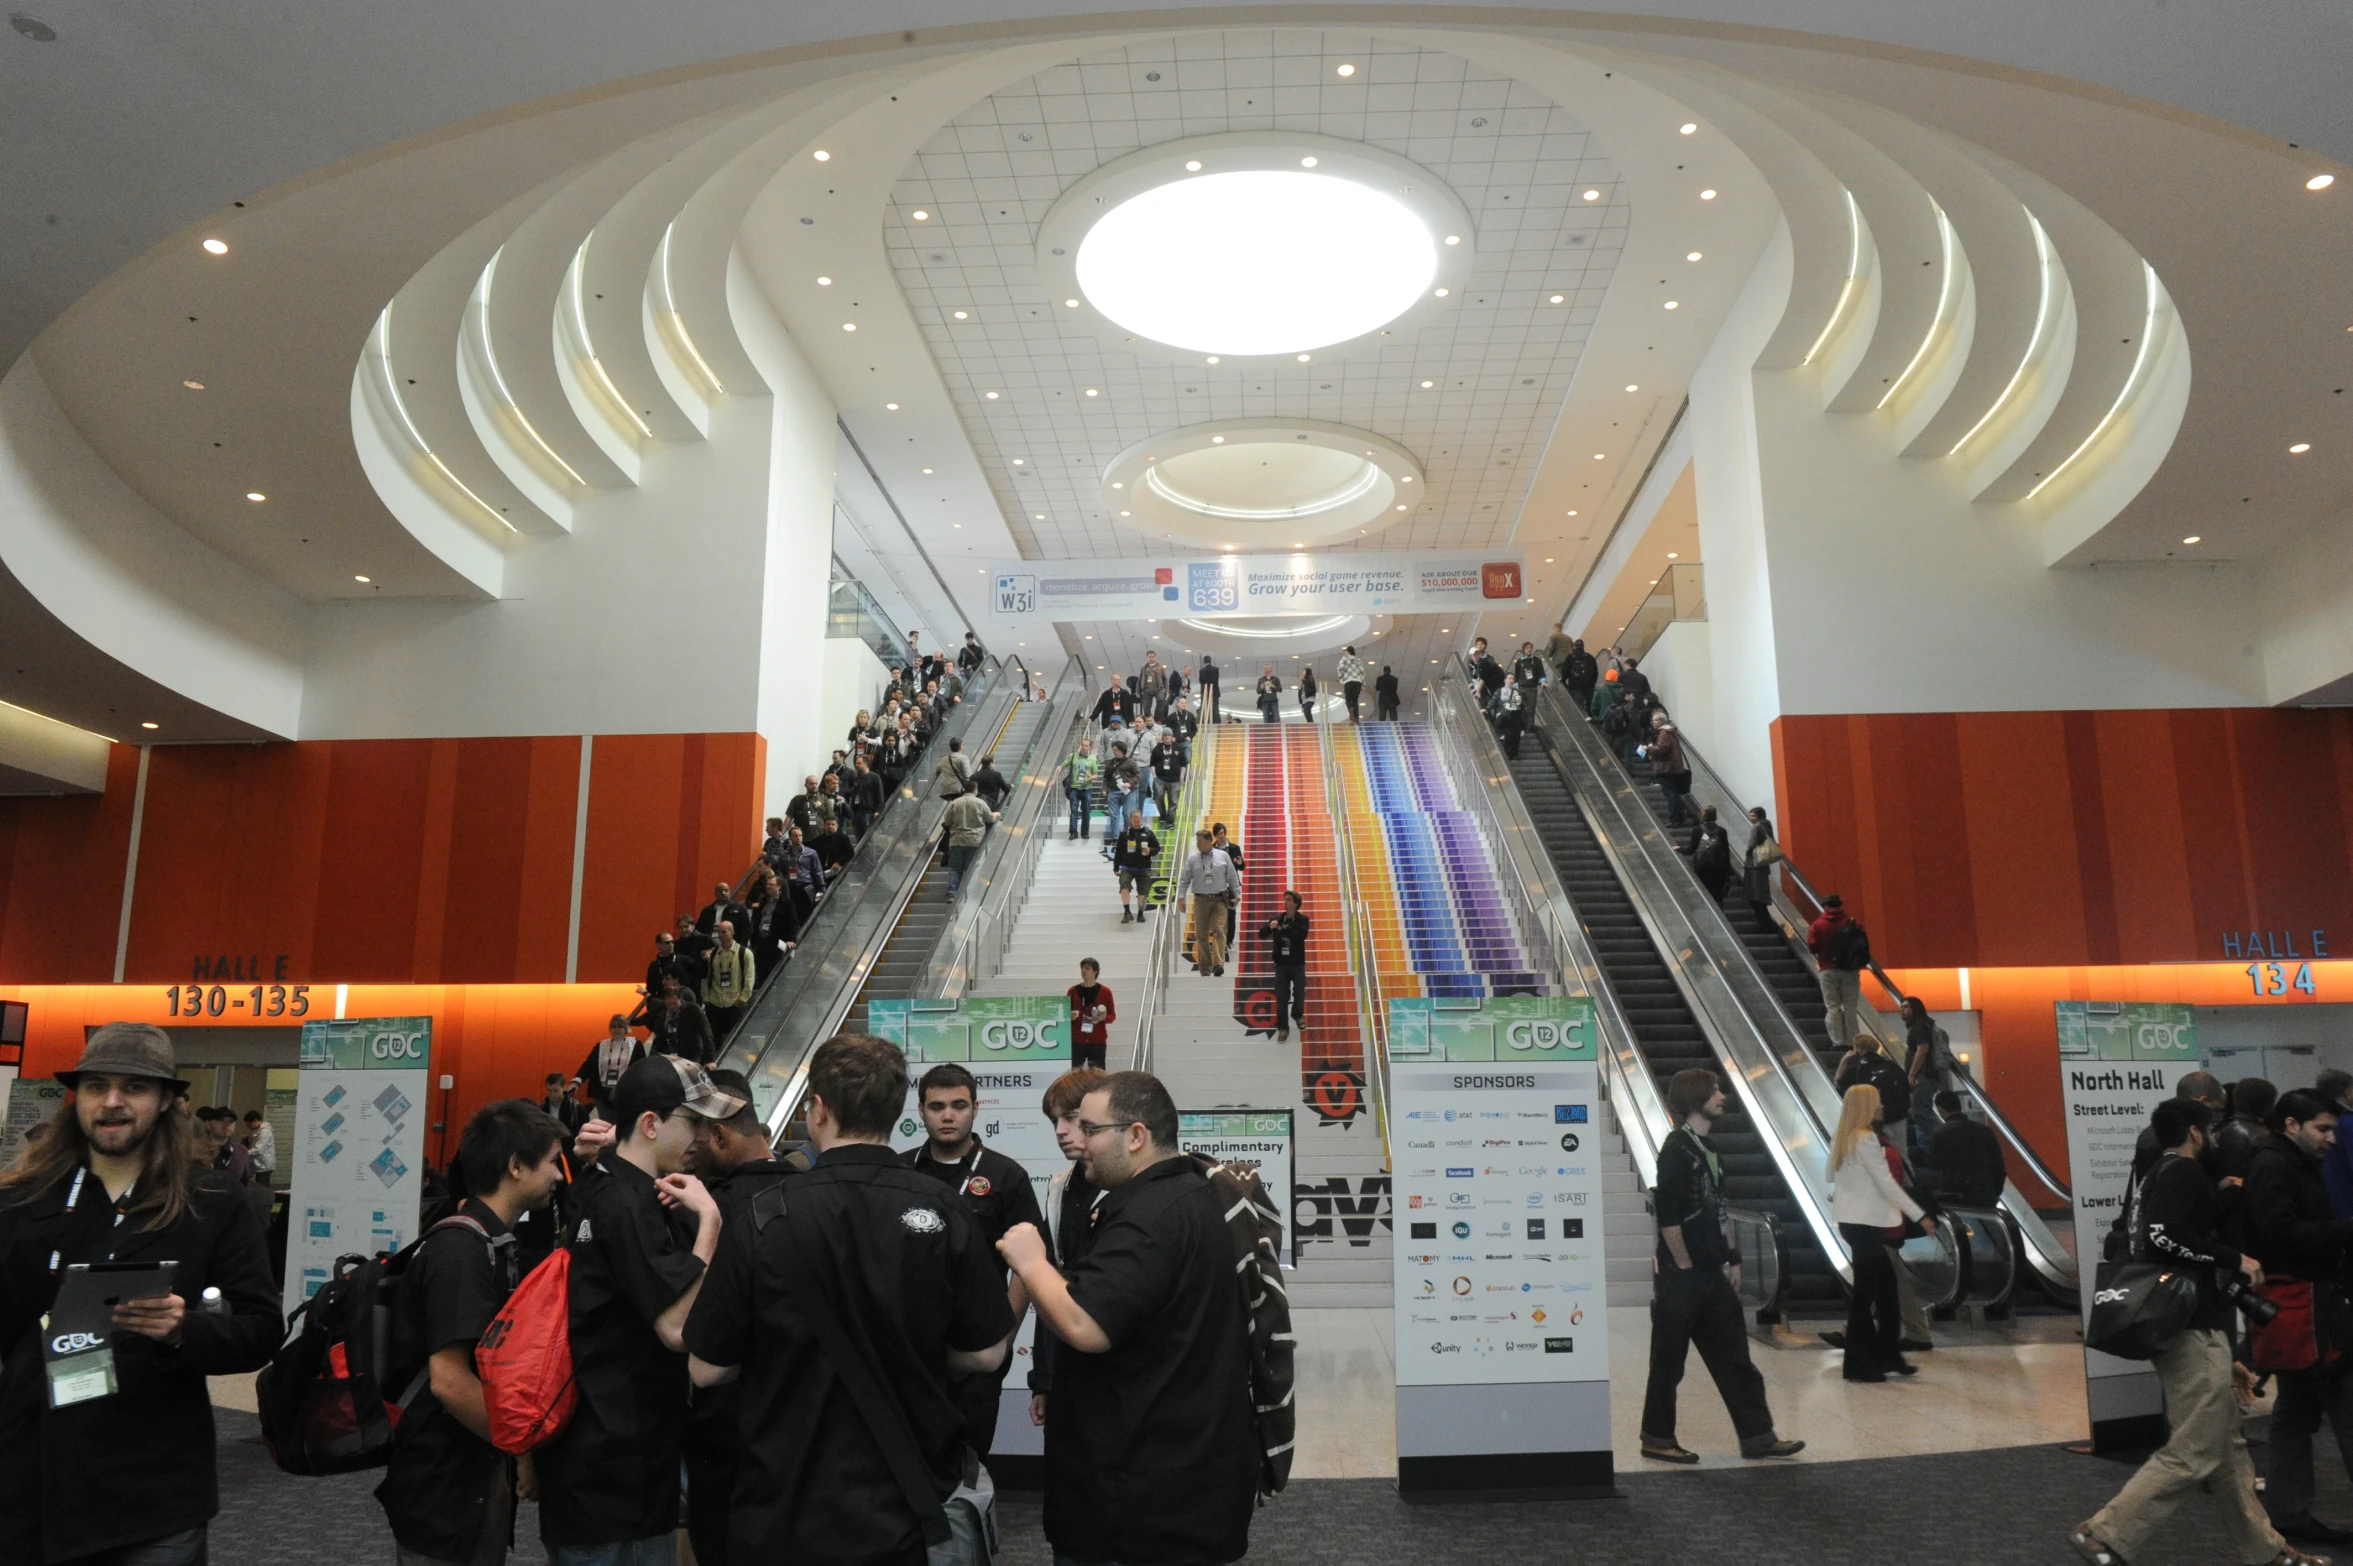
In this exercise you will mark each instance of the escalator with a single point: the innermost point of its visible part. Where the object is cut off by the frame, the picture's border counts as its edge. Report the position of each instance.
(1670, 1037)
(1776, 950)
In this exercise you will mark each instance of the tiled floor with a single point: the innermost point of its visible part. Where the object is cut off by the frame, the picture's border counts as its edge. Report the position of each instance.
(1977, 1390)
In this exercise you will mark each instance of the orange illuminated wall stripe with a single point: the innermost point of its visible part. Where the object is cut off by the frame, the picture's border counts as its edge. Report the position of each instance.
(396, 861)
(2023, 839)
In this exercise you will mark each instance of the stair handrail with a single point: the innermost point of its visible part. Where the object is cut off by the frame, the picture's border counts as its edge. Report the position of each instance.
(1363, 955)
(811, 995)
(973, 945)
(1168, 937)
(1643, 1117)
(1730, 810)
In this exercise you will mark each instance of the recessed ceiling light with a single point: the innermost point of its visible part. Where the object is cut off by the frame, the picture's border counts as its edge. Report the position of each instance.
(1212, 359)
(963, 316)
(2320, 182)
(921, 216)
(2193, 538)
(1548, 559)
(1694, 256)
(927, 470)
(1598, 456)
(1193, 166)
(849, 326)
(1039, 516)
(151, 725)
(1401, 508)
(1671, 555)
(1257, 261)
(1346, 70)
(2300, 447)
(956, 524)
(992, 396)
(256, 496)
(825, 282)
(1070, 304)
(1572, 513)
(193, 385)
(1217, 440)
(359, 579)
(1441, 293)
(1674, 304)
(1405, 480)
(822, 156)
(1018, 461)
(1116, 484)
(1707, 195)
(1092, 392)
(1307, 163)
(1454, 239)
(1593, 195)
(1127, 513)
(1631, 389)
(891, 407)
(219, 247)
(1426, 385)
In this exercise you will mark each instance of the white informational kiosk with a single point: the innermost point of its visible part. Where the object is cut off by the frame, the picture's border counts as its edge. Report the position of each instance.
(1502, 1339)
(2118, 1061)
(358, 1155)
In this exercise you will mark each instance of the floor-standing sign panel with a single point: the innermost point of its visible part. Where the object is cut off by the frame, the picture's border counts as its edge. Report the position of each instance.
(1249, 1136)
(358, 1154)
(1014, 1046)
(1502, 1349)
(2117, 1062)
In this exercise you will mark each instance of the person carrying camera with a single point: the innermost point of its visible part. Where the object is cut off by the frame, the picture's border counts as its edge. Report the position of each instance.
(2180, 1221)
(2286, 1221)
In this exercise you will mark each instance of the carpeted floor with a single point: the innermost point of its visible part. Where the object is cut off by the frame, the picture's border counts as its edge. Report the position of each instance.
(1987, 1508)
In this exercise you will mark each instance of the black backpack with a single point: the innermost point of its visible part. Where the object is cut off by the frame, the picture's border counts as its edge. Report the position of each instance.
(1850, 948)
(324, 1400)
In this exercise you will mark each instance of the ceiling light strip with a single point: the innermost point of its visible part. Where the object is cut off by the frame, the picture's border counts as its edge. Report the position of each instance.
(1213, 628)
(416, 436)
(1854, 267)
(1362, 486)
(2042, 321)
(499, 380)
(587, 344)
(677, 322)
(2131, 384)
(1944, 303)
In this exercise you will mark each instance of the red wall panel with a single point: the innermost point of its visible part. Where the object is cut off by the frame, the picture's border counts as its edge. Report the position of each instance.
(61, 878)
(2027, 839)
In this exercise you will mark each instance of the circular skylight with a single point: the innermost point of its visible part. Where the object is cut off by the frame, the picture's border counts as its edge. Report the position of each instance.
(1259, 261)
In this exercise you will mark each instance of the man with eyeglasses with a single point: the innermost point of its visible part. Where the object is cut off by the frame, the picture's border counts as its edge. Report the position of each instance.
(1150, 1454)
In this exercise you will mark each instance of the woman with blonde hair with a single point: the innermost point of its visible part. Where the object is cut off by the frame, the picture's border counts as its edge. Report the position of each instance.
(1870, 1207)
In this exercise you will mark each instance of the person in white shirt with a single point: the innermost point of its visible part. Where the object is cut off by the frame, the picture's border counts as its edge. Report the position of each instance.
(1351, 681)
(1869, 1204)
(1209, 877)
(262, 1144)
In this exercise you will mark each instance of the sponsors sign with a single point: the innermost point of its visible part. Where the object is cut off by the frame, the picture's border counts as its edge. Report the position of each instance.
(1309, 582)
(2117, 1061)
(357, 1156)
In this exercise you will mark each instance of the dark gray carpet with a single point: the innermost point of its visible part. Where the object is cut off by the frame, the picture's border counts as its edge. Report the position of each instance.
(1962, 1509)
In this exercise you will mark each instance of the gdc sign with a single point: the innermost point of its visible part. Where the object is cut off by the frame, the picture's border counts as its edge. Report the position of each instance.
(1541, 1033)
(2176, 1037)
(1016, 1034)
(397, 1046)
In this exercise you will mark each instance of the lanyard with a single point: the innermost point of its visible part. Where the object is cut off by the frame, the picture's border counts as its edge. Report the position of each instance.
(969, 1163)
(73, 1201)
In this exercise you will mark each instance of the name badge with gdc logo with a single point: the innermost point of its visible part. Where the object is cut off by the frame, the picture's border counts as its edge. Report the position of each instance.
(77, 1348)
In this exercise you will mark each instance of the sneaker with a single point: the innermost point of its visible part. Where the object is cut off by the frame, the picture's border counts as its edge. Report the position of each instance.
(2092, 1549)
(1282, 1035)
(1771, 1446)
(1126, 916)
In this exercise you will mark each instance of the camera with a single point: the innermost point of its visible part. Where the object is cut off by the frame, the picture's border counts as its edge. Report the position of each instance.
(2259, 1311)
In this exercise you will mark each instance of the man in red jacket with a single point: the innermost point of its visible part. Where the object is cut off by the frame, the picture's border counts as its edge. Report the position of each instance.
(1091, 1014)
(1844, 951)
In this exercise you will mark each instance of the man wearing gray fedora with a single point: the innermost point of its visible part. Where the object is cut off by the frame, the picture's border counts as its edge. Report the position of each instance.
(115, 1465)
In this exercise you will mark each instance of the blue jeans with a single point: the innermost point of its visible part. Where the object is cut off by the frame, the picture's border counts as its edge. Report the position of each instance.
(173, 1549)
(1114, 816)
(959, 861)
(1081, 809)
(661, 1550)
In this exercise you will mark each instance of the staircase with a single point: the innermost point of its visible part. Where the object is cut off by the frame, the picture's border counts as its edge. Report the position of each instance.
(1668, 1035)
(1072, 911)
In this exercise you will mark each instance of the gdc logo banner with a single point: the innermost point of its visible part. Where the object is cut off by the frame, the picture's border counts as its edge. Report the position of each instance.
(1516, 1028)
(978, 1030)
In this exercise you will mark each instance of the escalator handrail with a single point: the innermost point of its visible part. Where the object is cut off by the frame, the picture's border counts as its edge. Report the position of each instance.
(1692, 967)
(1171, 918)
(819, 982)
(1356, 939)
(1643, 1116)
(1000, 879)
(1796, 878)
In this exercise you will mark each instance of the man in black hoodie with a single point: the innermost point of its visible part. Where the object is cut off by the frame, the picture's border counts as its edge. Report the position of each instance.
(2180, 1222)
(2285, 1220)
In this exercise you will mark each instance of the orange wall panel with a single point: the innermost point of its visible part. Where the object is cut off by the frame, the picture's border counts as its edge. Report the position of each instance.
(2023, 839)
(61, 878)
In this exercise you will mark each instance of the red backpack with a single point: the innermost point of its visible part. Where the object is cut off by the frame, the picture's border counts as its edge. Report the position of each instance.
(525, 1360)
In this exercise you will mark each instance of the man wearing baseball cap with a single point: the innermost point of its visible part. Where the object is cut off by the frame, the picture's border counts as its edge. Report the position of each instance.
(112, 1443)
(609, 1484)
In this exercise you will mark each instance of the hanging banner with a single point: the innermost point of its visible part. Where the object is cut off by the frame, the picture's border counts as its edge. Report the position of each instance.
(1014, 1046)
(1250, 1136)
(29, 1104)
(1337, 582)
(357, 1157)
(2117, 1062)
(1500, 1284)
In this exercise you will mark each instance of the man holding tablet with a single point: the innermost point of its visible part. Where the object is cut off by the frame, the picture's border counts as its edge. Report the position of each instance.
(114, 1437)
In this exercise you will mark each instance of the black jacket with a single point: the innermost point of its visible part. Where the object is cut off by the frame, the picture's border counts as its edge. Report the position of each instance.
(2284, 1214)
(137, 1465)
(1964, 1163)
(2235, 1141)
(2181, 1221)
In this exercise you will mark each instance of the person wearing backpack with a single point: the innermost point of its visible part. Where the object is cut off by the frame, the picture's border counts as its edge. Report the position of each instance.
(127, 1473)
(841, 1311)
(1843, 949)
(1151, 1448)
(645, 1233)
(448, 1493)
